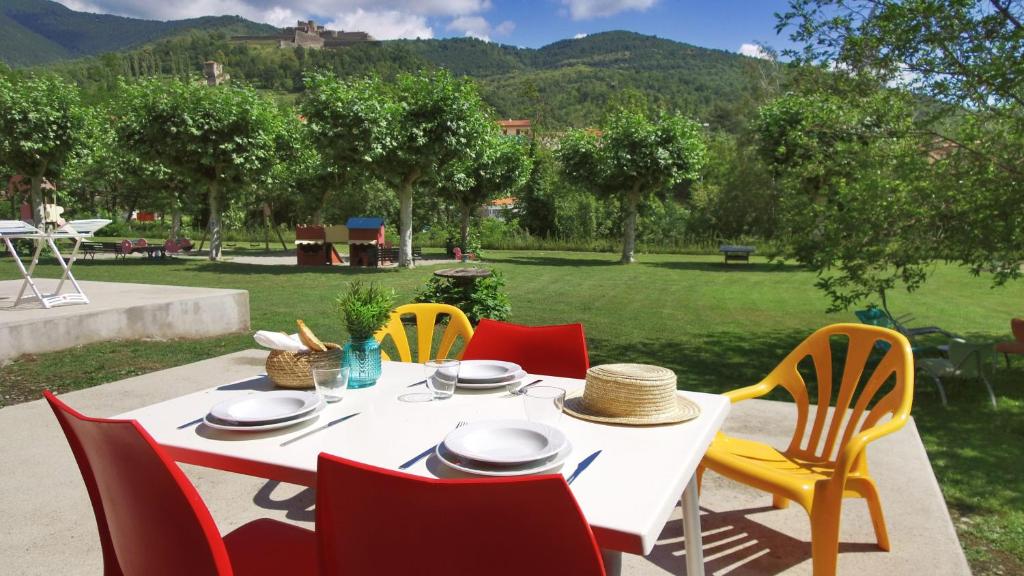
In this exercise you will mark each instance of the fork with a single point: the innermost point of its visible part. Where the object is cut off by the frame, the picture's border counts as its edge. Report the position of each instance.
(426, 452)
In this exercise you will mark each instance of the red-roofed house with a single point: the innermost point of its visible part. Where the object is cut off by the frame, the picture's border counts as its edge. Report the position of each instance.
(496, 208)
(516, 127)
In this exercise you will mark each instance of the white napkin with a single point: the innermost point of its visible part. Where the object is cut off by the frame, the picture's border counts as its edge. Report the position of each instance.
(279, 341)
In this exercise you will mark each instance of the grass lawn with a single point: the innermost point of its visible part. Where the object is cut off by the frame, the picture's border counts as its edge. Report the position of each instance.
(719, 327)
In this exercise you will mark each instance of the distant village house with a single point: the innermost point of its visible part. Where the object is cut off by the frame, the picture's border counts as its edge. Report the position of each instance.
(516, 127)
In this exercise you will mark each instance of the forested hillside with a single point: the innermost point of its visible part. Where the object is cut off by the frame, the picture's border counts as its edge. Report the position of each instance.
(565, 84)
(39, 31)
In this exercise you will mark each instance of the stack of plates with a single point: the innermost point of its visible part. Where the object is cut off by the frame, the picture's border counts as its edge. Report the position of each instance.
(264, 411)
(485, 374)
(504, 448)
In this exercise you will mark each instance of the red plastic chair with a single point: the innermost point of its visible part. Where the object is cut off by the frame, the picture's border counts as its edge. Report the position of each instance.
(1016, 346)
(375, 521)
(152, 521)
(550, 350)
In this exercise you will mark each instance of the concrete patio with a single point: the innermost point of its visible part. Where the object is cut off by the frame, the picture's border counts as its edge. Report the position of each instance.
(117, 311)
(51, 529)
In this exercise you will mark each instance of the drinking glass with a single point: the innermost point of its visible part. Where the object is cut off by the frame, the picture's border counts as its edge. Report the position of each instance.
(331, 381)
(543, 404)
(441, 375)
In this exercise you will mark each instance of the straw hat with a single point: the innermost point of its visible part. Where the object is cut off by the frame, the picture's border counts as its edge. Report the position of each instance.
(636, 394)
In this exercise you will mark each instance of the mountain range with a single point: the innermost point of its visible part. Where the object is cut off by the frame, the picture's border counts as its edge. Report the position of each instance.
(36, 32)
(567, 83)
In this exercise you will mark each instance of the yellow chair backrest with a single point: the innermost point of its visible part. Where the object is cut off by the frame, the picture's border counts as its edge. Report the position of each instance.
(823, 437)
(426, 320)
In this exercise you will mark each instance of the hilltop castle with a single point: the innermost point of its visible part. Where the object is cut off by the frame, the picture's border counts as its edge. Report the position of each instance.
(308, 34)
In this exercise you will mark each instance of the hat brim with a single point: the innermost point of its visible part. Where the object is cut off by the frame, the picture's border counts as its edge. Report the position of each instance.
(685, 410)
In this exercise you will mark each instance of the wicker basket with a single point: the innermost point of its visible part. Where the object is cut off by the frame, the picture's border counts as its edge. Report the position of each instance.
(292, 369)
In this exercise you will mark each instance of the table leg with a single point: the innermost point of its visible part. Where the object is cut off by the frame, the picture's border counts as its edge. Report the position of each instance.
(27, 274)
(66, 266)
(70, 263)
(691, 529)
(612, 562)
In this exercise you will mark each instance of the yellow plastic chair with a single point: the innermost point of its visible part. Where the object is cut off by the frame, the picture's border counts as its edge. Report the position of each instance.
(826, 459)
(426, 320)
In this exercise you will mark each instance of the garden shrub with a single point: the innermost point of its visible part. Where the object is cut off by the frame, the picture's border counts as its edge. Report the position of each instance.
(484, 298)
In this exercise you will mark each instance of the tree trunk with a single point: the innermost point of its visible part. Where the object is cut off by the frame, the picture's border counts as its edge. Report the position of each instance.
(131, 209)
(405, 219)
(318, 214)
(176, 223)
(37, 198)
(465, 226)
(214, 226)
(629, 226)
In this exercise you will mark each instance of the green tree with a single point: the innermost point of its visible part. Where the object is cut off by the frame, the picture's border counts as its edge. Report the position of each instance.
(352, 124)
(500, 168)
(41, 123)
(535, 208)
(222, 138)
(438, 121)
(965, 57)
(635, 155)
(855, 189)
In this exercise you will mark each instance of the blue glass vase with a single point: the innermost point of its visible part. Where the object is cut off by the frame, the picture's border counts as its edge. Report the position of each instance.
(363, 360)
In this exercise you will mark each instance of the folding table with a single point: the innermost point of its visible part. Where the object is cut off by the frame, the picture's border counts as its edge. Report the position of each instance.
(76, 230)
(627, 494)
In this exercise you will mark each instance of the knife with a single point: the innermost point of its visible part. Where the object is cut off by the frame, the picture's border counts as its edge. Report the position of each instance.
(418, 457)
(319, 428)
(583, 466)
(420, 383)
(523, 389)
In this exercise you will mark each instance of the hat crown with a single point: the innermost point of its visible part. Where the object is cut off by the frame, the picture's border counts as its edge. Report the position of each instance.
(630, 390)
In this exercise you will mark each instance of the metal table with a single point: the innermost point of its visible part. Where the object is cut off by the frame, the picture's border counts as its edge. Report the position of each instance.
(76, 230)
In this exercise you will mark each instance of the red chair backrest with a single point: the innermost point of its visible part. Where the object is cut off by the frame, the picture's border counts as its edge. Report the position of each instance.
(1017, 325)
(550, 350)
(375, 521)
(150, 518)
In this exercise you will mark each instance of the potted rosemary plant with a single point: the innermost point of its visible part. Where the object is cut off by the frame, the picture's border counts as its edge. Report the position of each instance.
(366, 308)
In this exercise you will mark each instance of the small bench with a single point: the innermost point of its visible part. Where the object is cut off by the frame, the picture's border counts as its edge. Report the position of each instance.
(736, 253)
(390, 254)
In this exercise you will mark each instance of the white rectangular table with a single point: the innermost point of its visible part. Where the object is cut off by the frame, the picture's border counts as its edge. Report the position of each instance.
(627, 494)
(76, 230)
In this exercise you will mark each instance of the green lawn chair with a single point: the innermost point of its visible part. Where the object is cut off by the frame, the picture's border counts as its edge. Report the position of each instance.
(966, 361)
(878, 317)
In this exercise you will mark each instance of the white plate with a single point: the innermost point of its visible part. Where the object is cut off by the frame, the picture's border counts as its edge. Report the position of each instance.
(471, 467)
(266, 407)
(505, 442)
(480, 371)
(517, 377)
(211, 421)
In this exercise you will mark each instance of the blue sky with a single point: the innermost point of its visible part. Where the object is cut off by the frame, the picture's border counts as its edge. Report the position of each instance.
(724, 24)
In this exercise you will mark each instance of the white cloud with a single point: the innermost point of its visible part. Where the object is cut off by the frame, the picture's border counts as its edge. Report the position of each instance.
(268, 10)
(586, 9)
(478, 27)
(470, 24)
(280, 17)
(505, 28)
(755, 51)
(384, 25)
(580, 35)
(81, 6)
